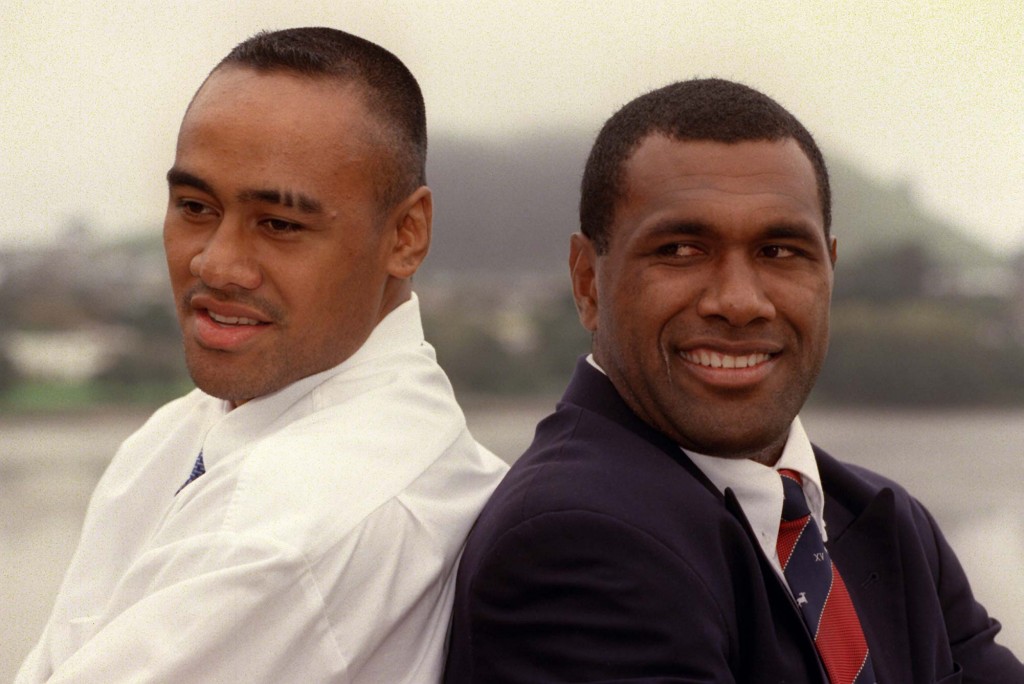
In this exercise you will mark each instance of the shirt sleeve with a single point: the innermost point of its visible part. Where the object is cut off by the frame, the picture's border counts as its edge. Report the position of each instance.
(228, 607)
(214, 608)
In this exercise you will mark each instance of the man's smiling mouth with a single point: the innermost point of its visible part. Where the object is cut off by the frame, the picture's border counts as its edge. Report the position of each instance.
(232, 320)
(713, 359)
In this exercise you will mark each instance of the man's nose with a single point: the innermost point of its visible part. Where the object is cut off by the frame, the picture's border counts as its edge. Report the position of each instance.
(227, 259)
(736, 293)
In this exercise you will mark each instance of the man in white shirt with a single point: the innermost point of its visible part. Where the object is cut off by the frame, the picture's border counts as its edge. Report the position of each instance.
(669, 522)
(299, 516)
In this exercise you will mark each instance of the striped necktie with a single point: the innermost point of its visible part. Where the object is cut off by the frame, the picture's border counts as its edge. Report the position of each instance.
(198, 469)
(819, 591)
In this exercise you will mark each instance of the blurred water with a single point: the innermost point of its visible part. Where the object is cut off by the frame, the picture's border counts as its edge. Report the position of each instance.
(968, 468)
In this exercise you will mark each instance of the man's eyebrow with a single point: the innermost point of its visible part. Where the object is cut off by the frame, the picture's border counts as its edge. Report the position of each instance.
(783, 230)
(287, 198)
(682, 228)
(176, 177)
(793, 231)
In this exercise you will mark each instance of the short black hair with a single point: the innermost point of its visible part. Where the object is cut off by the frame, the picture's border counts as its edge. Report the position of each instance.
(390, 90)
(700, 109)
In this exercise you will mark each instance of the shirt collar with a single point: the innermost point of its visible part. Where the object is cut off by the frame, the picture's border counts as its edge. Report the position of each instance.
(758, 487)
(252, 420)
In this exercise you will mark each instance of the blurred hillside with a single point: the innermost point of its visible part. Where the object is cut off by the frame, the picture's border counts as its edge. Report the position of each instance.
(922, 314)
(509, 207)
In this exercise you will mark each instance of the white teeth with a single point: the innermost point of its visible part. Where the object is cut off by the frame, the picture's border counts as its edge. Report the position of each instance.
(717, 360)
(232, 320)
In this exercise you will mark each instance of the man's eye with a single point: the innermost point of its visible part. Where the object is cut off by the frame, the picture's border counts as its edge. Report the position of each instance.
(679, 249)
(282, 226)
(778, 252)
(192, 207)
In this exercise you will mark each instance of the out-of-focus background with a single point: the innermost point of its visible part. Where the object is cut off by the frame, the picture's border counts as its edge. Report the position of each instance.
(917, 106)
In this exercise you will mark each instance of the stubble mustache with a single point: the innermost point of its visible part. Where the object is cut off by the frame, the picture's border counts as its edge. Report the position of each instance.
(267, 309)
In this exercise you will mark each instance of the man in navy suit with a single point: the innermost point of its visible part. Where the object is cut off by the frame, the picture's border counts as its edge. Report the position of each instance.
(638, 539)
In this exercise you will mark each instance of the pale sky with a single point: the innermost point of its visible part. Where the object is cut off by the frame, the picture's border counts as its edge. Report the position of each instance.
(932, 93)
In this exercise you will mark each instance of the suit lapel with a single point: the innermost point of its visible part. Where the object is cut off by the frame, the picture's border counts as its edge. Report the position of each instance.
(591, 389)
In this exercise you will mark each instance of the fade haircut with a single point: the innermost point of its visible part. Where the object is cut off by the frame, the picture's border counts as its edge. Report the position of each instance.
(701, 109)
(389, 89)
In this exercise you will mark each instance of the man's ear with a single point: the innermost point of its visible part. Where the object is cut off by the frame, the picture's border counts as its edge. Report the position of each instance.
(412, 225)
(583, 272)
(833, 252)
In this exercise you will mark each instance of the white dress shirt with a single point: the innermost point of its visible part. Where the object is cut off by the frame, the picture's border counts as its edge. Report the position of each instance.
(758, 487)
(319, 546)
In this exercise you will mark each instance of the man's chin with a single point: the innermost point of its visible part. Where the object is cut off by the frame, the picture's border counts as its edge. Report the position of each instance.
(228, 394)
(222, 385)
(712, 439)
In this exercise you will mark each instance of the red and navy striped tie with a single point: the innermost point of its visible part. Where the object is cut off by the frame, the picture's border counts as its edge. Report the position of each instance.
(819, 591)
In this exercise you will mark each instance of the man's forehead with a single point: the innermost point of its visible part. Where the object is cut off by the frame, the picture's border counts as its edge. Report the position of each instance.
(287, 106)
(711, 155)
(241, 85)
(697, 179)
(746, 165)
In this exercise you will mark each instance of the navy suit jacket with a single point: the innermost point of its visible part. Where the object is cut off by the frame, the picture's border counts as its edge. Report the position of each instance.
(606, 556)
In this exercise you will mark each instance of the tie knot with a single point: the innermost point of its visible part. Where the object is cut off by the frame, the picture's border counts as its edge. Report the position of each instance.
(794, 503)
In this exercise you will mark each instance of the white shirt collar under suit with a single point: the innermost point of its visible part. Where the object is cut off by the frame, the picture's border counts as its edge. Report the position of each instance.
(758, 488)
